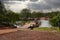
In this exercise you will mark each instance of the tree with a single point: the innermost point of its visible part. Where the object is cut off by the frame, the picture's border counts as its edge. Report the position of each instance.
(55, 19)
(12, 16)
(2, 8)
(25, 14)
(2, 12)
(7, 16)
(36, 14)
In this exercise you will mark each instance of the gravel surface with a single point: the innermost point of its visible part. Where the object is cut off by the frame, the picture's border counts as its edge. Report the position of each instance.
(30, 35)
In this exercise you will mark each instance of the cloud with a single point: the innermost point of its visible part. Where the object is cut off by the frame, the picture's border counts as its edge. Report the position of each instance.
(9, 2)
(17, 5)
(13, 0)
(54, 3)
(39, 6)
(33, 0)
(45, 5)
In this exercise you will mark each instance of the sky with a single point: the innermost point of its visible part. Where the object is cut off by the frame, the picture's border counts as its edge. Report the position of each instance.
(34, 5)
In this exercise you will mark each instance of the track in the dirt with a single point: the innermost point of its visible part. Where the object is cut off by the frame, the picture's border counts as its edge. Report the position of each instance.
(30, 35)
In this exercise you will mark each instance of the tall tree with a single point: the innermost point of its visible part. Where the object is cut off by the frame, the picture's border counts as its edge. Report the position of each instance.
(2, 12)
(25, 13)
(2, 8)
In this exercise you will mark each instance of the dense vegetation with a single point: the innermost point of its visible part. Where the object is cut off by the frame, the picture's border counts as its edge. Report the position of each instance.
(7, 16)
(55, 19)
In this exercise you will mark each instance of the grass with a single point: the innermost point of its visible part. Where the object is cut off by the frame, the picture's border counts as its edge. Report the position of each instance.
(47, 29)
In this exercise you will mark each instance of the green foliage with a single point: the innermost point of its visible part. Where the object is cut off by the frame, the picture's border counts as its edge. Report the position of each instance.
(55, 19)
(2, 8)
(11, 16)
(25, 13)
(2, 12)
(7, 16)
(47, 29)
(36, 14)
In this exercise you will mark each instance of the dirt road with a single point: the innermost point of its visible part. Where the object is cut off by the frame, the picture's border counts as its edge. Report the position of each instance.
(30, 35)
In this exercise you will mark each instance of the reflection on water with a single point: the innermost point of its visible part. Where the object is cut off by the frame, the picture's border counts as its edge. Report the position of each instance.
(45, 23)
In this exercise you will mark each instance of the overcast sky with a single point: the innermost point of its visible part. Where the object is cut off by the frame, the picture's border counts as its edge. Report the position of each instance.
(36, 5)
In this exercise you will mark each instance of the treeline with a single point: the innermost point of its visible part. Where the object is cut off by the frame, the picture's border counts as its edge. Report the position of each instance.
(8, 16)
